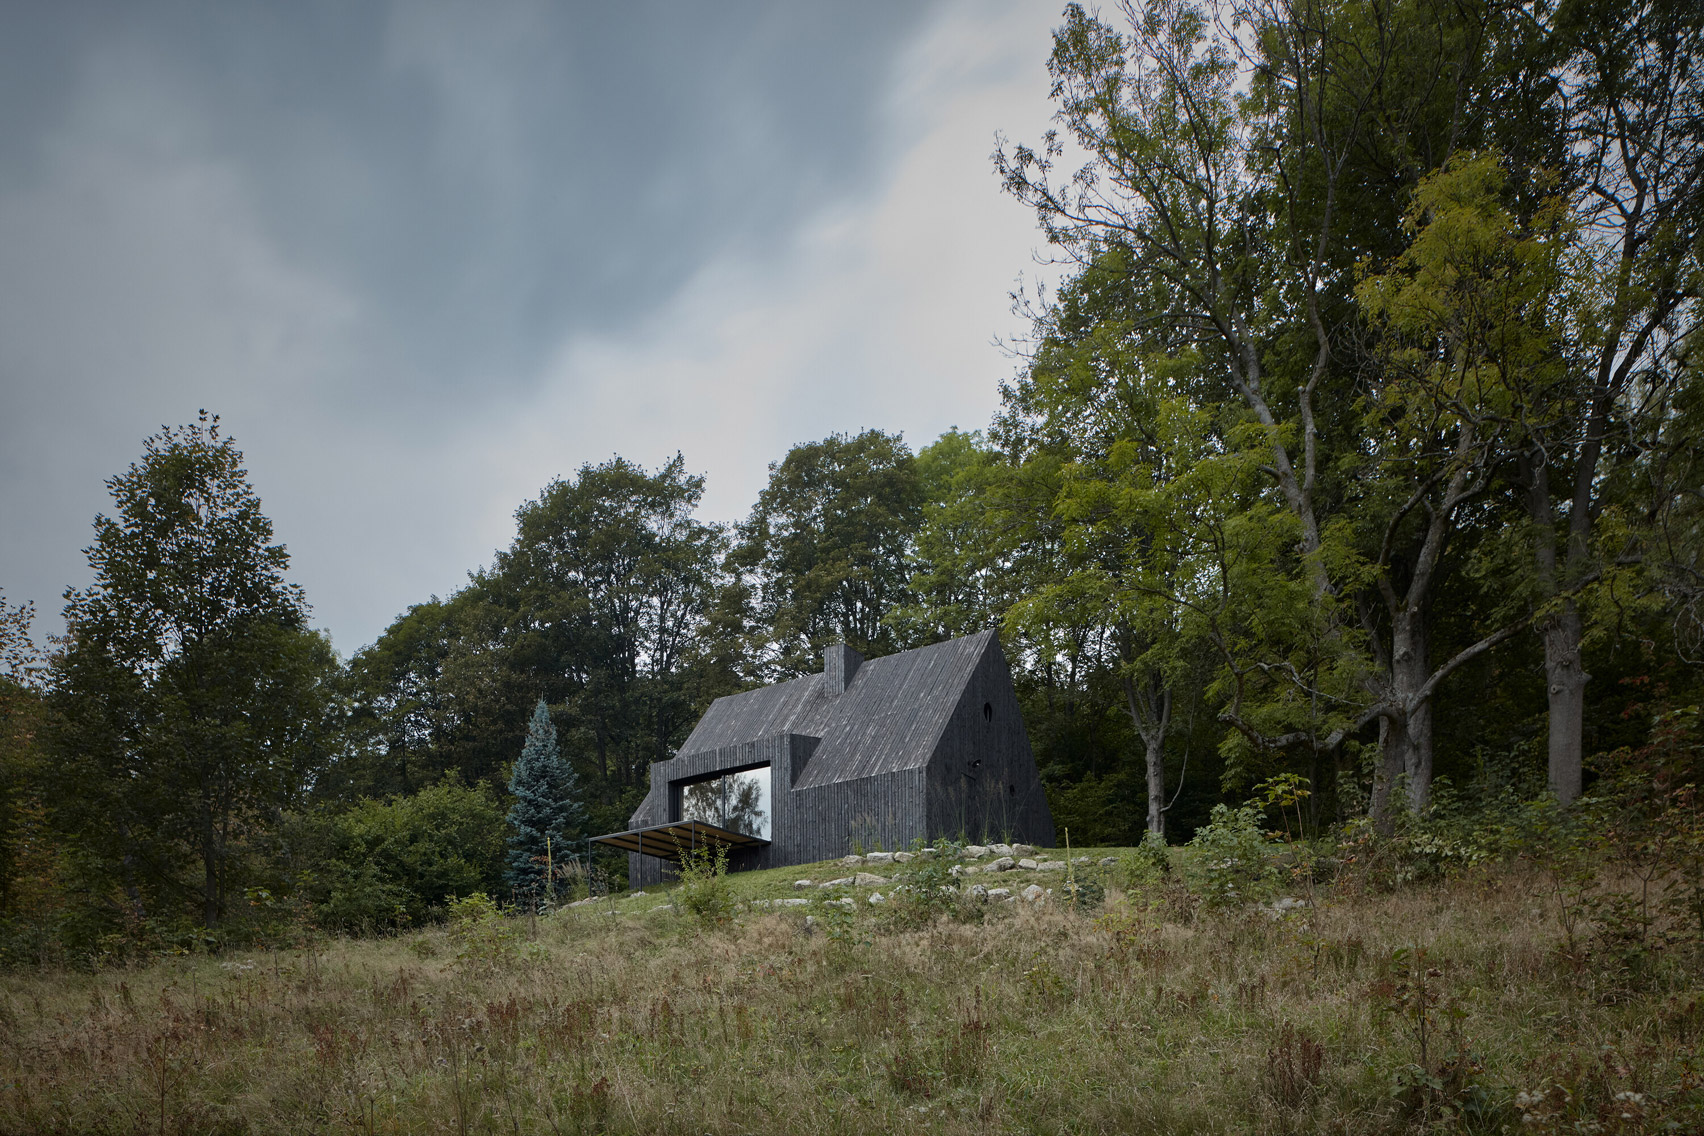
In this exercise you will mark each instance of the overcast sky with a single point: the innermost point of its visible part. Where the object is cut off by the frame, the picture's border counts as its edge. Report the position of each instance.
(422, 258)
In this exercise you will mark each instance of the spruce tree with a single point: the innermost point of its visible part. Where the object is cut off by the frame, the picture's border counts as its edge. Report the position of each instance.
(547, 803)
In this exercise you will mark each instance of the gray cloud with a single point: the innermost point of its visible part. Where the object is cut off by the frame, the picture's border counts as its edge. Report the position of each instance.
(491, 174)
(425, 256)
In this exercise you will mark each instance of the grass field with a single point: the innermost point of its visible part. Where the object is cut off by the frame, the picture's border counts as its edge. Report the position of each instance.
(1448, 1007)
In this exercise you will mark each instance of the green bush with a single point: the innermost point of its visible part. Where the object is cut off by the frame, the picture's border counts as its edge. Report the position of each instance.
(483, 937)
(703, 888)
(1083, 892)
(391, 863)
(1233, 863)
(925, 888)
(1148, 864)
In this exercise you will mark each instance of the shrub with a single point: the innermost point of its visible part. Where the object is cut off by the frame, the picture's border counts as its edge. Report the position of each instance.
(384, 863)
(925, 888)
(1083, 892)
(1148, 864)
(482, 936)
(1233, 864)
(703, 890)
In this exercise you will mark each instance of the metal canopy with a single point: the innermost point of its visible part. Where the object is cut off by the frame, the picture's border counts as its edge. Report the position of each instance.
(672, 841)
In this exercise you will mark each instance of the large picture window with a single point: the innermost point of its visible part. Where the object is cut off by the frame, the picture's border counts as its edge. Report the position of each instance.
(737, 801)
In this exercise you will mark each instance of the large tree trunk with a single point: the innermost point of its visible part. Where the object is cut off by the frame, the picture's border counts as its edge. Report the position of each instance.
(1405, 735)
(1386, 776)
(1156, 747)
(1565, 686)
(1564, 675)
(1410, 668)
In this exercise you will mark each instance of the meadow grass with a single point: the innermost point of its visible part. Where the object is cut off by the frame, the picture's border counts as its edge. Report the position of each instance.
(1447, 1007)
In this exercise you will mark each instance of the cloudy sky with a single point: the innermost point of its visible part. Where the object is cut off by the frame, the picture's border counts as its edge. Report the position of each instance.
(424, 257)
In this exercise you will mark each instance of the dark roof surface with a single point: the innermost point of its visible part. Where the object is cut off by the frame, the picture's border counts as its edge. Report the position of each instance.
(889, 718)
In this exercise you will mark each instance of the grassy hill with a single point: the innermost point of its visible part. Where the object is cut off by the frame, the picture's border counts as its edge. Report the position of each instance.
(1454, 1006)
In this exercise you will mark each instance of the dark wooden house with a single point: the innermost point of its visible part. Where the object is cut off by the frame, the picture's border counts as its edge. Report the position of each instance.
(870, 753)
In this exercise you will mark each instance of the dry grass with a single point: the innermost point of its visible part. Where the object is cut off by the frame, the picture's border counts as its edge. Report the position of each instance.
(1027, 1021)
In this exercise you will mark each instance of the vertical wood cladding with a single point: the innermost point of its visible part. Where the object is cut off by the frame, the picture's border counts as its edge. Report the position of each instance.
(923, 744)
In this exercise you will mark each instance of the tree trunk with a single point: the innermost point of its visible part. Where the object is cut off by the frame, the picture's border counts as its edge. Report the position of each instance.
(1405, 735)
(1386, 776)
(210, 883)
(1565, 685)
(1156, 747)
(1150, 712)
(1409, 670)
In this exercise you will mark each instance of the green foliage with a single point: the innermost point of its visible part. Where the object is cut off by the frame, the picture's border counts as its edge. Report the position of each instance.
(925, 889)
(1148, 864)
(402, 730)
(393, 862)
(484, 938)
(546, 814)
(1082, 891)
(840, 923)
(703, 888)
(1233, 861)
(826, 549)
(605, 604)
(1095, 808)
(195, 704)
(27, 844)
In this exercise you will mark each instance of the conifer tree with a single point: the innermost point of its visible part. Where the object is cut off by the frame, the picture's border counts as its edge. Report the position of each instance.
(547, 803)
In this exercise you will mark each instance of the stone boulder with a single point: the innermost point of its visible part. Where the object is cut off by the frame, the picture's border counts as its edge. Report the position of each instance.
(1027, 864)
(1035, 893)
(974, 852)
(876, 898)
(803, 884)
(868, 879)
(1022, 850)
(904, 857)
(843, 881)
(852, 859)
(1051, 866)
(880, 857)
(1003, 864)
(790, 901)
(1000, 849)
(999, 893)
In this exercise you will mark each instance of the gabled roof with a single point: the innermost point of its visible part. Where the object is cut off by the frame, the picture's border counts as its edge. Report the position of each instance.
(889, 718)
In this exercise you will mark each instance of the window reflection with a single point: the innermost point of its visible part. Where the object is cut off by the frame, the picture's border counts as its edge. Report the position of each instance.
(737, 801)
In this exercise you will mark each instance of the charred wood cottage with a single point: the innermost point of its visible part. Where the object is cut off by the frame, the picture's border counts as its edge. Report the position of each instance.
(923, 744)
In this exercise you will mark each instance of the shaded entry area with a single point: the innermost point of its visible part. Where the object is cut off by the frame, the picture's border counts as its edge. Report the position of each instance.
(672, 841)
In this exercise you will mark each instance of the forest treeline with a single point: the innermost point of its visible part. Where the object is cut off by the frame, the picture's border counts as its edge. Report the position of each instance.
(1360, 442)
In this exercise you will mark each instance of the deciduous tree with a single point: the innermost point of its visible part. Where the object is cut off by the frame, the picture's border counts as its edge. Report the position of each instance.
(193, 694)
(826, 549)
